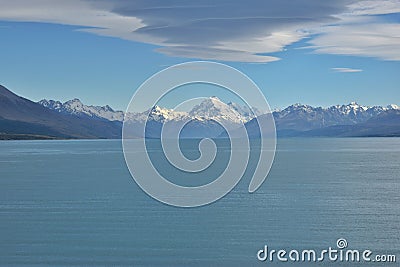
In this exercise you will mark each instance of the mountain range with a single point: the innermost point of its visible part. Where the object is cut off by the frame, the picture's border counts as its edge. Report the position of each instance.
(21, 118)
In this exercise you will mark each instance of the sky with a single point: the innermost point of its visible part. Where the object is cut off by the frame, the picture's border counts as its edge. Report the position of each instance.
(314, 52)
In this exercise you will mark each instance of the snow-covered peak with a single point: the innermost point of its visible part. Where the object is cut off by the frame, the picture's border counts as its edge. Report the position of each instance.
(164, 114)
(51, 104)
(393, 106)
(355, 106)
(75, 105)
(157, 113)
(351, 108)
(75, 101)
(298, 107)
(214, 109)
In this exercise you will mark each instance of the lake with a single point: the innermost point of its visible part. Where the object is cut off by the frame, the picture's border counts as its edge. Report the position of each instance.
(74, 203)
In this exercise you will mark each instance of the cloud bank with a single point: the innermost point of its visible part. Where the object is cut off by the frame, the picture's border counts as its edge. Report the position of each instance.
(243, 31)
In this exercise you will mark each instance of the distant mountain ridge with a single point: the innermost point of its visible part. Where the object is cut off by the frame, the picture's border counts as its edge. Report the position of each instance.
(295, 120)
(214, 109)
(21, 118)
(76, 107)
(205, 118)
(300, 118)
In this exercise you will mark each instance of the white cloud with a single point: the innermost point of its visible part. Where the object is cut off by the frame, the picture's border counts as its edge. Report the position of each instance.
(346, 70)
(244, 31)
(272, 42)
(360, 34)
(224, 30)
(72, 12)
(380, 40)
(374, 7)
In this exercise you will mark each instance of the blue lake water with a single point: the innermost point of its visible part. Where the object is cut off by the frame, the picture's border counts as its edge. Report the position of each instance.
(74, 203)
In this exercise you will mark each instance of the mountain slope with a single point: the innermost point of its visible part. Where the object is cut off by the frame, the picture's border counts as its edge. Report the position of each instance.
(20, 115)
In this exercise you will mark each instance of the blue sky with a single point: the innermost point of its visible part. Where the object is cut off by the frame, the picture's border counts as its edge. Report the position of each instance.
(314, 52)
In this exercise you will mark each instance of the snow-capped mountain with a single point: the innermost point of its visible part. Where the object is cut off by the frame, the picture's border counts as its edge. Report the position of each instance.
(76, 107)
(203, 119)
(158, 114)
(392, 107)
(206, 116)
(209, 109)
(214, 109)
(22, 118)
(304, 117)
